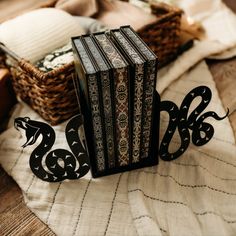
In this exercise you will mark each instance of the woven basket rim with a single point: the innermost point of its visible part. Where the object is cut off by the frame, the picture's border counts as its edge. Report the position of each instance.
(171, 12)
(31, 68)
(165, 6)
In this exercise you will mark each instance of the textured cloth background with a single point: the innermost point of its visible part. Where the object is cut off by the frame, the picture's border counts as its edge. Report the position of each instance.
(220, 25)
(34, 34)
(193, 195)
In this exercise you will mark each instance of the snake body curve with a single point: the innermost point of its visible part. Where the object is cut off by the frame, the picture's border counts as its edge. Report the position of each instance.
(59, 164)
(179, 118)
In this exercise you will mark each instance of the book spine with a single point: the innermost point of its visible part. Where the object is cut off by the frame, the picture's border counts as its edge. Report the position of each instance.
(148, 107)
(138, 109)
(97, 122)
(107, 107)
(149, 87)
(122, 111)
(89, 90)
(136, 87)
(121, 98)
(106, 99)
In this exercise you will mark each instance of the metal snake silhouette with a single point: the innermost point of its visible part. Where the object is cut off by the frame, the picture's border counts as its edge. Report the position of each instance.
(202, 132)
(179, 118)
(61, 164)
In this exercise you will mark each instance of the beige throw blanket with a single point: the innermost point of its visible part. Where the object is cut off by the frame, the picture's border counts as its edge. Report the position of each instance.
(193, 195)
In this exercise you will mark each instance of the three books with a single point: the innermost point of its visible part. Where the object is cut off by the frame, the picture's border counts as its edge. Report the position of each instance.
(116, 91)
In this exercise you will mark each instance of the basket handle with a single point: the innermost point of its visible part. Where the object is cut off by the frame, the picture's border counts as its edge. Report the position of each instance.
(9, 52)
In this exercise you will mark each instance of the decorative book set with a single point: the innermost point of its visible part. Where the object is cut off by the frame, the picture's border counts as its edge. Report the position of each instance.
(116, 91)
(119, 112)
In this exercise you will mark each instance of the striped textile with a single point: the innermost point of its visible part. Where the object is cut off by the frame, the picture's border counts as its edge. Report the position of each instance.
(194, 192)
(193, 195)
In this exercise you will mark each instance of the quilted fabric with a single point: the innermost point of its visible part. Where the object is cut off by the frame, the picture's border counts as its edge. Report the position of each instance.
(36, 33)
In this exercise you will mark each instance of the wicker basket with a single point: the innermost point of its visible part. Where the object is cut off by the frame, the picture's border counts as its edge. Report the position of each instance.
(52, 94)
(162, 36)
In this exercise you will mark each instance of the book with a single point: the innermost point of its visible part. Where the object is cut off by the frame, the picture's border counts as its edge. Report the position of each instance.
(107, 97)
(120, 69)
(149, 87)
(137, 67)
(90, 99)
(121, 109)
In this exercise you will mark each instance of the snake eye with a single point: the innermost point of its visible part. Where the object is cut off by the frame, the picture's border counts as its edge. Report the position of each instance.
(26, 119)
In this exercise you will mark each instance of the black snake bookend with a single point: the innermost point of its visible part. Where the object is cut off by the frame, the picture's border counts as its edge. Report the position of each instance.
(202, 132)
(60, 164)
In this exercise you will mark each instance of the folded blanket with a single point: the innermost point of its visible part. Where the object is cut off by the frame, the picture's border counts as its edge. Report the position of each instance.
(34, 34)
(110, 13)
(80, 8)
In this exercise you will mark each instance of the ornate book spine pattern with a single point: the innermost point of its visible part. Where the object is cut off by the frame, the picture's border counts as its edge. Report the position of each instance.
(121, 98)
(94, 103)
(149, 87)
(106, 97)
(138, 95)
(147, 111)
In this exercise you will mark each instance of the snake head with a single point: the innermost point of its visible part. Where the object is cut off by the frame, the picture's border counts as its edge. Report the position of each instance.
(31, 131)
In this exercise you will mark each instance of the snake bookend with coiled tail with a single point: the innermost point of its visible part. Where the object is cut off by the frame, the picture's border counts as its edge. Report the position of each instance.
(179, 118)
(202, 132)
(61, 164)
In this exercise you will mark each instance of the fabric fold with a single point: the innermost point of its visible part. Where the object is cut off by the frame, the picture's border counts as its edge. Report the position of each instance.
(194, 194)
(78, 7)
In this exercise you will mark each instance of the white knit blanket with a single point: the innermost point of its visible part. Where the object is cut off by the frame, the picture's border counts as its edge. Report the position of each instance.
(193, 195)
